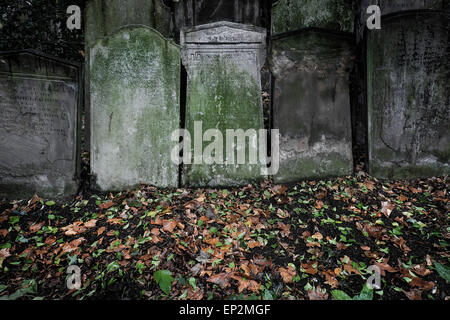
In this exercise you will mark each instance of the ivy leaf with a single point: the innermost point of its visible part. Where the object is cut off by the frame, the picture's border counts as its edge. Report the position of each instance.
(340, 295)
(366, 294)
(164, 279)
(444, 271)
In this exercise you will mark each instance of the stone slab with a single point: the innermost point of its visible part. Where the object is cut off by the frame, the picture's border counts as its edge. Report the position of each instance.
(408, 71)
(311, 104)
(39, 103)
(223, 62)
(135, 107)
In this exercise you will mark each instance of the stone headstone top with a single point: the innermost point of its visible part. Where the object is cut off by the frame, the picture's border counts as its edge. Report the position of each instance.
(104, 17)
(223, 33)
(230, 40)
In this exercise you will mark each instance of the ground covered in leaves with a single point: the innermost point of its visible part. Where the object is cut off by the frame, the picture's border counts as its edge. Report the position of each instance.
(312, 240)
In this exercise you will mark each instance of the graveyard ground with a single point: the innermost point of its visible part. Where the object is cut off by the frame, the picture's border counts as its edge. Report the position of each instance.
(311, 240)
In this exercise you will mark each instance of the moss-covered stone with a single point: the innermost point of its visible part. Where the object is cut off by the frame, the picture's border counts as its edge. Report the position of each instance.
(290, 15)
(223, 61)
(135, 107)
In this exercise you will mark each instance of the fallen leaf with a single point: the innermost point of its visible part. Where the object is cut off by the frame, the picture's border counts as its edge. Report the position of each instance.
(169, 225)
(317, 294)
(36, 227)
(221, 279)
(287, 274)
(317, 236)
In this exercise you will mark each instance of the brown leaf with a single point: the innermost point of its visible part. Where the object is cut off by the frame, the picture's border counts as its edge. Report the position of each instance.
(90, 223)
(221, 279)
(36, 227)
(309, 267)
(106, 205)
(72, 246)
(384, 266)
(247, 284)
(317, 294)
(101, 230)
(3, 232)
(253, 244)
(169, 225)
(287, 274)
(386, 208)
(195, 295)
(413, 294)
(317, 236)
(4, 253)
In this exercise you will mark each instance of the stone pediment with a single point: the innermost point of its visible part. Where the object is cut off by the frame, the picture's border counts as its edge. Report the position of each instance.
(223, 33)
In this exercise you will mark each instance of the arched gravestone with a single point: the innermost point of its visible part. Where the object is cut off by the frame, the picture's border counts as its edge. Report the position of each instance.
(135, 107)
(288, 15)
(408, 71)
(223, 62)
(39, 141)
(311, 103)
(104, 17)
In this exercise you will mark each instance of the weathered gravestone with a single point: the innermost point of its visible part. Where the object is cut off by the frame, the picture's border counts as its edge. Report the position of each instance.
(104, 17)
(408, 70)
(288, 15)
(135, 107)
(311, 103)
(223, 62)
(39, 103)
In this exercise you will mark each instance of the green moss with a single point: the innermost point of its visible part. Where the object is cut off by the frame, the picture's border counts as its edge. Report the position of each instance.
(320, 166)
(134, 84)
(223, 96)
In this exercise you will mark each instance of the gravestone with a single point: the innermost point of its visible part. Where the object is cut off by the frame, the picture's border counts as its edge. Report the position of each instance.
(311, 103)
(290, 15)
(103, 18)
(135, 107)
(39, 106)
(223, 62)
(408, 71)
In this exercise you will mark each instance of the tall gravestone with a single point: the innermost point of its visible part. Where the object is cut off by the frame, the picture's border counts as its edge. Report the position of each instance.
(39, 106)
(223, 62)
(135, 107)
(104, 17)
(408, 71)
(311, 103)
(288, 15)
(311, 59)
